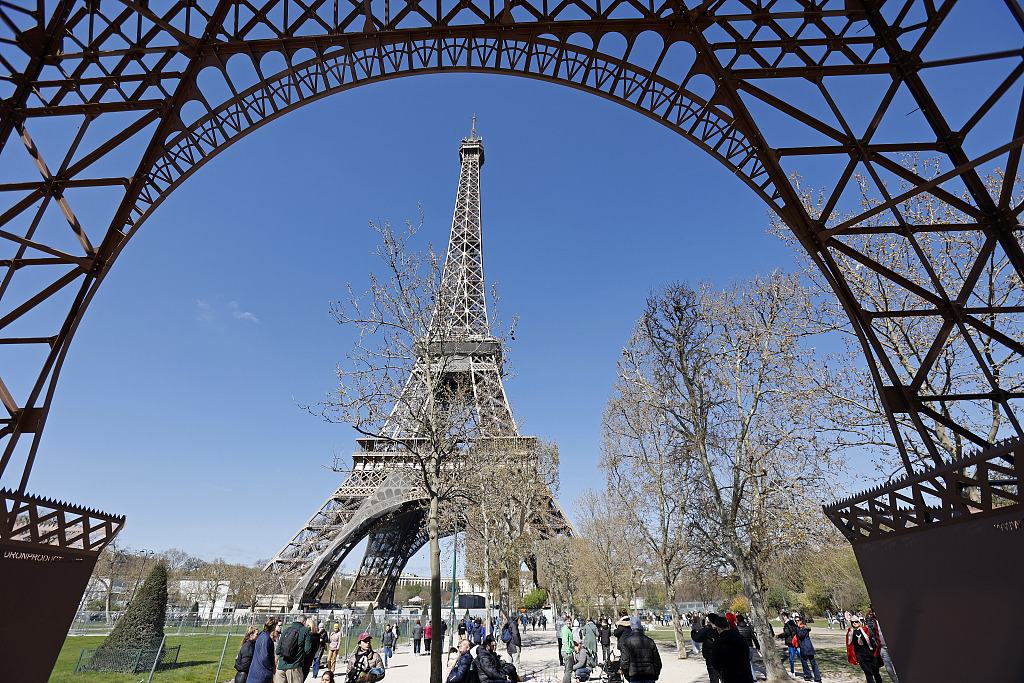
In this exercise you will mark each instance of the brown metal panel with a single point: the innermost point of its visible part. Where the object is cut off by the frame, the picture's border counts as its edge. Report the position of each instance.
(949, 597)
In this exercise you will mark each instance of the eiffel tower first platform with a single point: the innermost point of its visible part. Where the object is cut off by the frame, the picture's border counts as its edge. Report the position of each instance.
(380, 499)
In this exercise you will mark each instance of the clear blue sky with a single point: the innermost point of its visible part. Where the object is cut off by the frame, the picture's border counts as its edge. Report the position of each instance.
(177, 404)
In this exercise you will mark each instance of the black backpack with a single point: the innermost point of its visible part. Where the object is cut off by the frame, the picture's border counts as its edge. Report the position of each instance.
(290, 644)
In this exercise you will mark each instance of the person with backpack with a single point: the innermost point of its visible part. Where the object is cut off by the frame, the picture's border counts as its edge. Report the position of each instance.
(582, 662)
(510, 635)
(488, 664)
(294, 648)
(365, 665)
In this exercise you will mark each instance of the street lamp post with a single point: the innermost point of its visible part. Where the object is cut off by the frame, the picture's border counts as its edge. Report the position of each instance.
(145, 554)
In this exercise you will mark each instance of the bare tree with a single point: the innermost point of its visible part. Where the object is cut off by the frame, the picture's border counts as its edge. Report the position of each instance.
(610, 547)
(650, 480)
(510, 481)
(402, 385)
(732, 381)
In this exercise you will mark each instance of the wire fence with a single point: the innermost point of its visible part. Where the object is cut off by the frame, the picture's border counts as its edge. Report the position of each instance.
(127, 661)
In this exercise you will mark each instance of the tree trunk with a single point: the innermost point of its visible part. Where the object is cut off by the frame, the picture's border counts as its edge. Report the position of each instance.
(487, 579)
(435, 590)
(748, 570)
(504, 596)
(677, 625)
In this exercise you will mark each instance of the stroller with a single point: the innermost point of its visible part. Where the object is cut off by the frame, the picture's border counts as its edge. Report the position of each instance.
(610, 671)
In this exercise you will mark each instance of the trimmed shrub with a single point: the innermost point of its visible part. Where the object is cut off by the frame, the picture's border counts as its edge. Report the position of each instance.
(142, 624)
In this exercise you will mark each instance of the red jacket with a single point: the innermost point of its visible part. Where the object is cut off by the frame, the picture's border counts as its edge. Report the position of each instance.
(851, 655)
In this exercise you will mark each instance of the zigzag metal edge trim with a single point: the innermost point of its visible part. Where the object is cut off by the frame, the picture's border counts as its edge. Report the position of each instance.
(81, 530)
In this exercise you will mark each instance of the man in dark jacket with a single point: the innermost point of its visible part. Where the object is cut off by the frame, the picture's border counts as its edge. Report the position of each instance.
(707, 636)
(488, 664)
(605, 637)
(788, 634)
(730, 656)
(293, 668)
(640, 661)
(753, 647)
(515, 645)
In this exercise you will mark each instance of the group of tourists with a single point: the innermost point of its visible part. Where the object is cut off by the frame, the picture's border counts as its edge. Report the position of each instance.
(288, 655)
(636, 656)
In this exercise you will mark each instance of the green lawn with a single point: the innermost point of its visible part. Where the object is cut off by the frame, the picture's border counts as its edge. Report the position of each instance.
(197, 662)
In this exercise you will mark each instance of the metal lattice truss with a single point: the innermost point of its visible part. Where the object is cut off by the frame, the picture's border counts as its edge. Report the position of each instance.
(33, 522)
(984, 484)
(463, 300)
(381, 501)
(107, 105)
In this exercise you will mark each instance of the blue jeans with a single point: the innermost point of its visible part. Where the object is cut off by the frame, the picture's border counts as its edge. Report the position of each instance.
(794, 652)
(388, 652)
(316, 666)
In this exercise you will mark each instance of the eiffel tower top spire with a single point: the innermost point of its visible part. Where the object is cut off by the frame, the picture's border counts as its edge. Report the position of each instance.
(462, 302)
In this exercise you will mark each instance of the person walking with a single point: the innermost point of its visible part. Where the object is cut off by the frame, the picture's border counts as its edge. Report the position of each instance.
(729, 655)
(753, 646)
(861, 649)
(806, 648)
(427, 631)
(388, 639)
(605, 637)
(871, 621)
(321, 640)
(789, 636)
(334, 644)
(706, 637)
(515, 644)
(639, 659)
(294, 647)
(417, 636)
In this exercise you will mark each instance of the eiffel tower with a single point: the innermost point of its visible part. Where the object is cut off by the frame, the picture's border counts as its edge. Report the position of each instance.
(379, 500)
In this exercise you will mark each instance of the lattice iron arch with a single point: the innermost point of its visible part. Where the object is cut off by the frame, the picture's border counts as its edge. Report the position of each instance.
(148, 94)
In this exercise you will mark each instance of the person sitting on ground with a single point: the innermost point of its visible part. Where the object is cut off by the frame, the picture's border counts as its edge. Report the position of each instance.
(640, 661)
(327, 677)
(488, 664)
(365, 665)
(459, 671)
